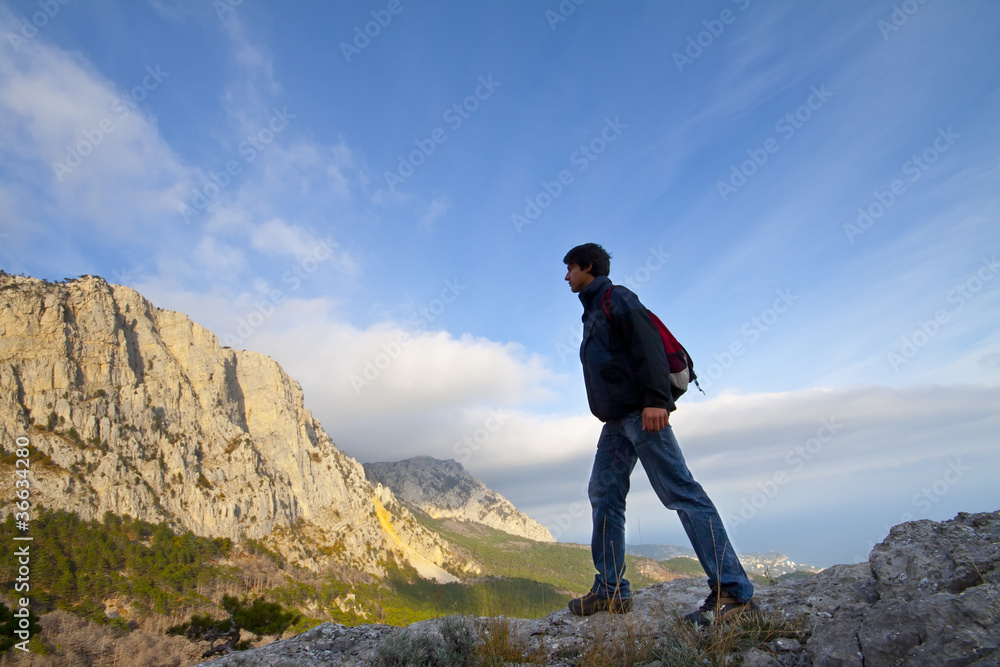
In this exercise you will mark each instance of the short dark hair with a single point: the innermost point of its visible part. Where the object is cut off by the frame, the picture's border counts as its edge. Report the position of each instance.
(592, 255)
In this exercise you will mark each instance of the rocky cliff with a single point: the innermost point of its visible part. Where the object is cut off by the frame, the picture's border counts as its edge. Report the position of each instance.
(929, 595)
(138, 411)
(444, 489)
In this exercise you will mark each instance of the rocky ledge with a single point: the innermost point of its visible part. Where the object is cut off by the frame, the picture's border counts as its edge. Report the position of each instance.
(928, 595)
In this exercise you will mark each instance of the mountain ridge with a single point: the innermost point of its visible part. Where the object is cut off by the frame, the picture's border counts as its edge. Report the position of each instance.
(444, 489)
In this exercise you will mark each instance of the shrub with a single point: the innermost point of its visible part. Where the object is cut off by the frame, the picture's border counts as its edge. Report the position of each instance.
(456, 646)
(8, 624)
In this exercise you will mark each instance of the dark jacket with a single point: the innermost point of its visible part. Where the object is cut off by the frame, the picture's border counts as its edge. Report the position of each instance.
(624, 363)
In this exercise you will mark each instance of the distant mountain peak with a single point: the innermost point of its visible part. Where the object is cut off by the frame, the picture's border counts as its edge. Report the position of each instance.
(445, 489)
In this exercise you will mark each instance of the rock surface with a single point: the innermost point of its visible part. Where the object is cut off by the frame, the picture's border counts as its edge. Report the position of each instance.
(444, 489)
(138, 411)
(929, 595)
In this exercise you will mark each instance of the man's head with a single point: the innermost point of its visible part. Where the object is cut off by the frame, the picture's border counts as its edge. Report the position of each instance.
(584, 263)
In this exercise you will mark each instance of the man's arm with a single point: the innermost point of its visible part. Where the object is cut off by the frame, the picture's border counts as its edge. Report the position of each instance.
(649, 362)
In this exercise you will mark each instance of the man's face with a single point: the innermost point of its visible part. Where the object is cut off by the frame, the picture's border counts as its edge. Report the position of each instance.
(578, 278)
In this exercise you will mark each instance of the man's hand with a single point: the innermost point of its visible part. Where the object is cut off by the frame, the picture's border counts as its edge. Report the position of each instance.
(655, 419)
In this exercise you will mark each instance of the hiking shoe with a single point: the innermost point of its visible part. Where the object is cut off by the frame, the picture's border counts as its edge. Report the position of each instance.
(720, 609)
(591, 603)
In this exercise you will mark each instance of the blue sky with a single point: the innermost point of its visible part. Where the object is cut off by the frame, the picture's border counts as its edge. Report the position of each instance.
(379, 196)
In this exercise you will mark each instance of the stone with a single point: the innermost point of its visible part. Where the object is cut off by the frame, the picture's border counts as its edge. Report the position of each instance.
(756, 657)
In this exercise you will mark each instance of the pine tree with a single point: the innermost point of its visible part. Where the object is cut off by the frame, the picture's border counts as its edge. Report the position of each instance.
(258, 617)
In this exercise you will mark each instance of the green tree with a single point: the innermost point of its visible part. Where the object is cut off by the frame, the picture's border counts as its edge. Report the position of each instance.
(9, 623)
(258, 617)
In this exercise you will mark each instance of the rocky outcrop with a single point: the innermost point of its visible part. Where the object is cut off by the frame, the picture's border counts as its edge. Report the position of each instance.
(443, 489)
(138, 411)
(929, 595)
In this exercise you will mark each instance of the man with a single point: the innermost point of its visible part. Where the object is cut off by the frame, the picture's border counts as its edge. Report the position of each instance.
(628, 387)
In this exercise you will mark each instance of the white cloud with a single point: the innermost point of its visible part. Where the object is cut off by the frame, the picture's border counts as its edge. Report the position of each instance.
(387, 393)
(386, 370)
(248, 96)
(87, 148)
(217, 258)
(278, 237)
(120, 179)
(438, 207)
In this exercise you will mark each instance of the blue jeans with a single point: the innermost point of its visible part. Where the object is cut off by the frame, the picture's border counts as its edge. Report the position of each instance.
(622, 443)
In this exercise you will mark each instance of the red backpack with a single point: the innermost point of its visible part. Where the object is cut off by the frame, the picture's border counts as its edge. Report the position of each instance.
(680, 363)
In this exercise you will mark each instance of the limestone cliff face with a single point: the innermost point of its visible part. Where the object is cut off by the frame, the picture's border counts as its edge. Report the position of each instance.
(443, 489)
(138, 411)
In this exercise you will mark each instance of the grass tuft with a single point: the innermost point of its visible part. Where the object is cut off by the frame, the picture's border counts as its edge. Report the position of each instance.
(501, 644)
(687, 644)
(618, 640)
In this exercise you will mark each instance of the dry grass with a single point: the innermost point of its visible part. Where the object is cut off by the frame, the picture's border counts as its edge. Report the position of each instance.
(716, 643)
(500, 643)
(618, 640)
(71, 641)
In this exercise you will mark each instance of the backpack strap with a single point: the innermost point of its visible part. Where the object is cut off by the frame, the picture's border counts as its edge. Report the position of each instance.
(681, 352)
(606, 302)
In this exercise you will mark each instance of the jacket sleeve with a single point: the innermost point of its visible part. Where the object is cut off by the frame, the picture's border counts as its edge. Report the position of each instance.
(649, 359)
